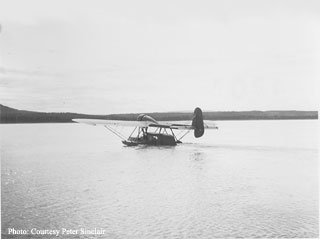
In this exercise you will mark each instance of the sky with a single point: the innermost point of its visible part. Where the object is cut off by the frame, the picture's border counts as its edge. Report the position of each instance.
(101, 57)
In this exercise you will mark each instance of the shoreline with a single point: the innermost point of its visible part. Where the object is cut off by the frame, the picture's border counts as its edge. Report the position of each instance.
(13, 116)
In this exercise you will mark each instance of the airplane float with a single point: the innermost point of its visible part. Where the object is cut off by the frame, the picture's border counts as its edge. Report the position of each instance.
(160, 134)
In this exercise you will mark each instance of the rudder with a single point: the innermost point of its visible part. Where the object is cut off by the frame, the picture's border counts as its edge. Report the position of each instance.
(197, 122)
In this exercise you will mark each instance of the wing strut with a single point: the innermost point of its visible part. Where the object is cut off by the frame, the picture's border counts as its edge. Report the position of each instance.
(184, 134)
(115, 132)
(133, 131)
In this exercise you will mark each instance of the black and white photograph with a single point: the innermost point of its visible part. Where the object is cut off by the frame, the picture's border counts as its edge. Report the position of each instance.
(145, 119)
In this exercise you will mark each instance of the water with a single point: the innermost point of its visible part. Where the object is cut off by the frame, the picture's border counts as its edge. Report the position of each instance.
(248, 179)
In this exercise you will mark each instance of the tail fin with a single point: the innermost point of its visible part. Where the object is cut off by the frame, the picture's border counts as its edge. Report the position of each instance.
(197, 122)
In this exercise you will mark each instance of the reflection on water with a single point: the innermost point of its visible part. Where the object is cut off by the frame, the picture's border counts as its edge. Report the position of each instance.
(244, 180)
(197, 156)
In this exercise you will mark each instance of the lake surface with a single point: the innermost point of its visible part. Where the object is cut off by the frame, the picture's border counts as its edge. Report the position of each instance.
(247, 179)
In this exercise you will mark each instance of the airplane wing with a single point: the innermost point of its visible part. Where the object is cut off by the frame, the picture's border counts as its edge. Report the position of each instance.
(95, 122)
(169, 125)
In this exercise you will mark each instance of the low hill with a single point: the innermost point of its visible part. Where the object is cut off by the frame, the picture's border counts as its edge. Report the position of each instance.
(10, 115)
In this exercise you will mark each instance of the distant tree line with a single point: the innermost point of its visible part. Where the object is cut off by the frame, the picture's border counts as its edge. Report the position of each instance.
(10, 115)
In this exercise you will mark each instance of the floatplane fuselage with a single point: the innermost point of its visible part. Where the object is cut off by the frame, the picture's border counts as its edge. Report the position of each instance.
(163, 133)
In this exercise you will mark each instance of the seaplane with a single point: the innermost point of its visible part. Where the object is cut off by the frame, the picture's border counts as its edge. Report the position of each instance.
(148, 131)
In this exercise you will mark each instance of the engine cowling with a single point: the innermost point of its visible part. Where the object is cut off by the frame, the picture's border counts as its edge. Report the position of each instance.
(144, 117)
